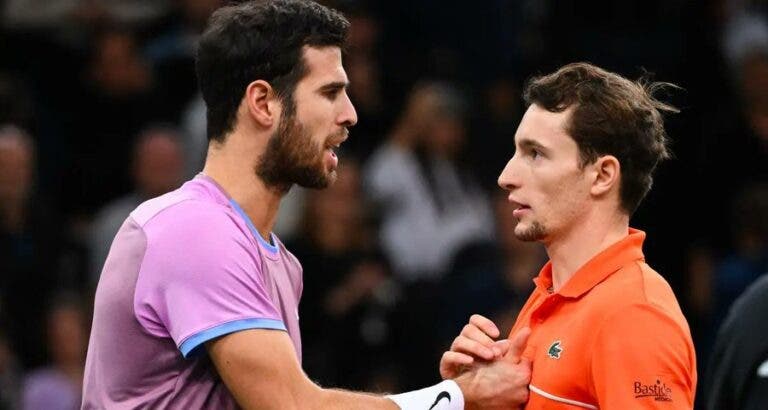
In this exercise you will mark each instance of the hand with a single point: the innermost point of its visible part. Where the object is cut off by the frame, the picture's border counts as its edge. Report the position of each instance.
(502, 384)
(476, 341)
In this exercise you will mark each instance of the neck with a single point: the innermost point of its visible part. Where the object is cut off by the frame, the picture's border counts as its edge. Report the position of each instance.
(572, 249)
(232, 167)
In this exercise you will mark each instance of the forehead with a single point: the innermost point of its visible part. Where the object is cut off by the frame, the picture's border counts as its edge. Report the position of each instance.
(323, 65)
(544, 127)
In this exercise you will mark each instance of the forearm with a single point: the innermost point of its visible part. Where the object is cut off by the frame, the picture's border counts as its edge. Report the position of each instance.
(344, 400)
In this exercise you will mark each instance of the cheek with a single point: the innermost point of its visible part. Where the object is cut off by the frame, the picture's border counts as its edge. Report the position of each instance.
(560, 196)
(569, 197)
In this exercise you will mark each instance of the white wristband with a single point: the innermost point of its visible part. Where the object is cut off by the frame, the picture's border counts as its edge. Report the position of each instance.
(445, 395)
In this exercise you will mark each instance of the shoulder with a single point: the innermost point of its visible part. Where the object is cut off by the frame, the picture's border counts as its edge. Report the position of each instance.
(638, 292)
(185, 234)
(176, 214)
(637, 284)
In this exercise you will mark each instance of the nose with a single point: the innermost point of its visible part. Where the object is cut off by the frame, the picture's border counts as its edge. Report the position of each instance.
(348, 115)
(508, 178)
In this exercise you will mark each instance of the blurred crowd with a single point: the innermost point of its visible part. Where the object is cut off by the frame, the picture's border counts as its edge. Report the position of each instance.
(99, 111)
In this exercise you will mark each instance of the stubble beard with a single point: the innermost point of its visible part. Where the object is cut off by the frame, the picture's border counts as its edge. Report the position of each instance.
(292, 157)
(536, 232)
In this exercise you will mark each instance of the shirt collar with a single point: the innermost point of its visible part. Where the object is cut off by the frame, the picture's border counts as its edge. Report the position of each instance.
(602, 265)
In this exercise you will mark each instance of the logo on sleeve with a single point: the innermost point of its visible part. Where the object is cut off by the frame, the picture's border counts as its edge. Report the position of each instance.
(555, 349)
(659, 391)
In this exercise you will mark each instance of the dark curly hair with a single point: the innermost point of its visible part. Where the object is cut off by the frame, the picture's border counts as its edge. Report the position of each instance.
(611, 116)
(263, 40)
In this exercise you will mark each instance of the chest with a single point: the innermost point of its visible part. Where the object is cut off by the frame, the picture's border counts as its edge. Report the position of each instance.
(559, 349)
(282, 280)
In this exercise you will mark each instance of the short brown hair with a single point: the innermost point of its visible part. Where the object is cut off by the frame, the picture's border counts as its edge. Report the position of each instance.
(611, 116)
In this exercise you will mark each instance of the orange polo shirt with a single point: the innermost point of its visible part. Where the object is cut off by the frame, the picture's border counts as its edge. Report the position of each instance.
(613, 337)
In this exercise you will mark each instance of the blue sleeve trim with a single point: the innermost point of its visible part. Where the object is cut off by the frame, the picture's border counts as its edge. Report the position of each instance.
(189, 347)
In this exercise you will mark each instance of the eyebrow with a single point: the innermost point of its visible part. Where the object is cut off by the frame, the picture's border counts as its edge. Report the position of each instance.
(336, 85)
(527, 143)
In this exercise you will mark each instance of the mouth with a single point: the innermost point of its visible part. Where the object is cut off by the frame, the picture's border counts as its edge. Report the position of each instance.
(335, 143)
(519, 208)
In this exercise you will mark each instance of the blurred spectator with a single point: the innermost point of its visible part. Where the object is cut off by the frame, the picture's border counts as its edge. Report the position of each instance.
(34, 247)
(59, 14)
(172, 53)
(58, 385)
(737, 375)
(120, 98)
(346, 299)
(430, 205)
(430, 209)
(157, 168)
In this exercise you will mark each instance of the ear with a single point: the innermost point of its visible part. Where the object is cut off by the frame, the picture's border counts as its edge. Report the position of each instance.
(607, 174)
(262, 103)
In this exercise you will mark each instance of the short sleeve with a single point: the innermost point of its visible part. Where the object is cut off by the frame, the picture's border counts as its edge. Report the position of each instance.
(643, 359)
(201, 277)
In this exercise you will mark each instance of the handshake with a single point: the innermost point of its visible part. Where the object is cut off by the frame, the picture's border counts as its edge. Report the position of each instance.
(491, 374)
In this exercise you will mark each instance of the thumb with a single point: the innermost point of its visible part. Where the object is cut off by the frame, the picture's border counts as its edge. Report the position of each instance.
(517, 345)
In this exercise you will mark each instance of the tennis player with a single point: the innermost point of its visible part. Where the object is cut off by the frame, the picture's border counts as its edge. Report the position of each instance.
(196, 306)
(605, 329)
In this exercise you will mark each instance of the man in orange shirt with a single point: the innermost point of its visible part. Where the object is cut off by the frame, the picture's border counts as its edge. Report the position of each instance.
(603, 329)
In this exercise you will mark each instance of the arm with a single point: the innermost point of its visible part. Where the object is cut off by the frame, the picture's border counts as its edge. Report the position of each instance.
(270, 377)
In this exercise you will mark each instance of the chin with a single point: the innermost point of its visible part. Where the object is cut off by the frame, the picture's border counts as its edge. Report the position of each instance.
(533, 232)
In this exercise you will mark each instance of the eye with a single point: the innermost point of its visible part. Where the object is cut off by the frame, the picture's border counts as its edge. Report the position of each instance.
(332, 93)
(534, 153)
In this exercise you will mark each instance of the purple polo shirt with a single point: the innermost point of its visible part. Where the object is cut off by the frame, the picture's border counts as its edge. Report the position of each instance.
(184, 268)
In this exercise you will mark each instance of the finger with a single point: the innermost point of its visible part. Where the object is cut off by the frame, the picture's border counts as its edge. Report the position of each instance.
(501, 347)
(517, 344)
(456, 359)
(472, 347)
(485, 324)
(453, 364)
(471, 331)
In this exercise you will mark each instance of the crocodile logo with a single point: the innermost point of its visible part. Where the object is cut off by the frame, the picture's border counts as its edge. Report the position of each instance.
(555, 350)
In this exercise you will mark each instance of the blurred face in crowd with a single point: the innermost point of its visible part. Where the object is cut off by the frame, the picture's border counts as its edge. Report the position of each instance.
(118, 68)
(312, 126)
(547, 187)
(158, 163)
(445, 135)
(16, 165)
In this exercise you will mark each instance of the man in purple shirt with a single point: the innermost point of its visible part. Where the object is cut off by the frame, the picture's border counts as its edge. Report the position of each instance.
(197, 303)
